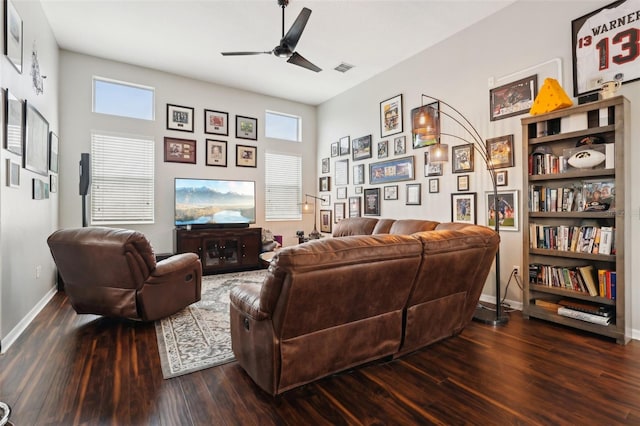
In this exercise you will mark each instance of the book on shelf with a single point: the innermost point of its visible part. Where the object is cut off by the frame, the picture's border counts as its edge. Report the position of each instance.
(584, 316)
(606, 237)
(579, 239)
(588, 275)
(590, 308)
(547, 304)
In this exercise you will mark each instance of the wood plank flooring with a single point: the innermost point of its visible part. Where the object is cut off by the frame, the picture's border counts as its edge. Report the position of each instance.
(69, 369)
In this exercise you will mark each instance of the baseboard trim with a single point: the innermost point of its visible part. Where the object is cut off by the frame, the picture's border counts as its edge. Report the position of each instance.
(13, 335)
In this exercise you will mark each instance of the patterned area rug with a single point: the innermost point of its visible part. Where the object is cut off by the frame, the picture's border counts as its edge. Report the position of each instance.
(199, 336)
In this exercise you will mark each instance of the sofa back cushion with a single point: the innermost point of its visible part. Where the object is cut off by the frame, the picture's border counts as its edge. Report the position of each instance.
(355, 226)
(410, 226)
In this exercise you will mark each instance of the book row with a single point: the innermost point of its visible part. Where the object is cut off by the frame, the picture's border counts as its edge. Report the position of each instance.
(583, 279)
(588, 195)
(590, 312)
(579, 239)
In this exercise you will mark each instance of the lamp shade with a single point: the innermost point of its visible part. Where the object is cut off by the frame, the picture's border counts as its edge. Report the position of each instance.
(439, 153)
(308, 208)
(426, 122)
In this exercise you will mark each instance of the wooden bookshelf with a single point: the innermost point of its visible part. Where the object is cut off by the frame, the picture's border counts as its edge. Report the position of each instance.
(609, 120)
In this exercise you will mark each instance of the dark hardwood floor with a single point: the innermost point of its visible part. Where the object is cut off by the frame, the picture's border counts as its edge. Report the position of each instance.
(69, 369)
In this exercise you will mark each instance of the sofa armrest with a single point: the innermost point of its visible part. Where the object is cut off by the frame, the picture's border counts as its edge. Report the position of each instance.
(175, 263)
(246, 299)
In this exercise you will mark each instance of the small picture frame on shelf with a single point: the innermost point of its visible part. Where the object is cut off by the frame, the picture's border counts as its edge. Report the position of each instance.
(598, 195)
(179, 118)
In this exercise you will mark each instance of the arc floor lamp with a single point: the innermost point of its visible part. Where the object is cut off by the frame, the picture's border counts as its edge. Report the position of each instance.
(308, 208)
(427, 125)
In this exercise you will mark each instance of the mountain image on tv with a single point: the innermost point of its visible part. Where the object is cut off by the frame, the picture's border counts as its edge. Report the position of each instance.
(202, 202)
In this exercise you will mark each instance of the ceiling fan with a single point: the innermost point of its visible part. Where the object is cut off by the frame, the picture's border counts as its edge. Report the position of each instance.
(288, 42)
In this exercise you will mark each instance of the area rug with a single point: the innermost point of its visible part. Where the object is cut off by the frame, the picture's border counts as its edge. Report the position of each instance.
(199, 336)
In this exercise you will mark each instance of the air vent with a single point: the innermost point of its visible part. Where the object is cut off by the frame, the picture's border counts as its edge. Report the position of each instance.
(343, 67)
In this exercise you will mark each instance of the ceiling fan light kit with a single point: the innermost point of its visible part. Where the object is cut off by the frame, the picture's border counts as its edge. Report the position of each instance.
(288, 42)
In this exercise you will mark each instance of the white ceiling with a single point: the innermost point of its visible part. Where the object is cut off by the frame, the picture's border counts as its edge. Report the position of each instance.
(186, 37)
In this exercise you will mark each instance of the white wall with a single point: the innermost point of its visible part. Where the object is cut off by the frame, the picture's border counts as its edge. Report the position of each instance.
(25, 224)
(77, 121)
(523, 39)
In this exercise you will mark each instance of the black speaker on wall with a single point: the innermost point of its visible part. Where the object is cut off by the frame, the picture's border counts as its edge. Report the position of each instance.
(84, 173)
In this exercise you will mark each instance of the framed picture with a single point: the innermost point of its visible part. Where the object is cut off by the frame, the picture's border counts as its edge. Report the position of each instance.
(36, 141)
(216, 122)
(395, 170)
(216, 153)
(13, 35)
(325, 221)
(325, 200)
(500, 151)
(14, 118)
(354, 206)
(513, 98)
(501, 178)
(391, 192)
(434, 186)
(342, 172)
(358, 174)
(598, 195)
(324, 184)
(53, 183)
(383, 149)
(414, 191)
(325, 165)
(462, 158)
(507, 210)
(358, 190)
(179, 118)
(341, 193)
(246, 128)
(345, 145)
(13, 174)
(361, 148)
(37, 189)
(604, 55)
(463, 207)
(422, 137)
(179, 150)
(338, 212)
(246, 156)
(463, 183)
(53, 152)
(372, 202)
(335, 149)
(399, 145)
(431, 169)
(391, 116)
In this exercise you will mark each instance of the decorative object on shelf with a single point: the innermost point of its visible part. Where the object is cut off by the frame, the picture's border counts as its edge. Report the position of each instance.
(325, 165)
(395, 170)
(345, 145)
(324, 183)
(342, 172)
(216, 153)
(501, 178)
(325, 221)
(434, 186)
(462, 158)
(309, 208)
(36, 141)
(246, 128)
(338, 212)
(13, 174)
(179, 150)
(507, 207)
(463, 204)
(391, 116)
(335, 149)
(550, 98)
(501, 152)
(604, 47)
(13, 123)
(13, 35)
(414, 192)
(372, 202)
(358, 174)
(383, 149)
(463, 183)
(608, 89)
(512, 98)
(361, 148)
(246, 156)
(586, 158)
(37, 79)
(53, 152)
(354, 206)
(400, 145)
(431, 168)
(599, 195)
(423, 125)
(179, 118)
(391, 192)
(216, 122)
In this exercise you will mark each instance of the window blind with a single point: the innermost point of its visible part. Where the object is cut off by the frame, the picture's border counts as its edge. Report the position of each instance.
(122, 180)
(283, 186)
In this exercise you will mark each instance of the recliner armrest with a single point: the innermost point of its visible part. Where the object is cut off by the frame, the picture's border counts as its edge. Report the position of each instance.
(246, 298)
(175, 263)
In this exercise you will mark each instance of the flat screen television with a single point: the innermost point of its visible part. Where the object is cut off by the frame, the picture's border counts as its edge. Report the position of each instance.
(212, 203)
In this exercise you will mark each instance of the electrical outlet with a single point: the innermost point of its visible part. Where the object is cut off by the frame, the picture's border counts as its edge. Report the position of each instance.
(38, 271)
(516, 269)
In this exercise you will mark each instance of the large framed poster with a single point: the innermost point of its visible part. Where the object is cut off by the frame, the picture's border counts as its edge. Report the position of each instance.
(605, 46)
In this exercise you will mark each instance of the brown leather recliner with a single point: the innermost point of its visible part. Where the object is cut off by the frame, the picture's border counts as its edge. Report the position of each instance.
(113, 272)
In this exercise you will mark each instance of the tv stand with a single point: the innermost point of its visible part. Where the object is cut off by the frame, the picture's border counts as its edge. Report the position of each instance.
(222, 249)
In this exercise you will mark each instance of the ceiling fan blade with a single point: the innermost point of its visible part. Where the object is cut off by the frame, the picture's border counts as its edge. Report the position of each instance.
(243, 53)
(297, 59)
(293, 35)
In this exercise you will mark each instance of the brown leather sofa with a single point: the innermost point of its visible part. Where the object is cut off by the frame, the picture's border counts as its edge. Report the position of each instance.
(113, 272)
(331, 304)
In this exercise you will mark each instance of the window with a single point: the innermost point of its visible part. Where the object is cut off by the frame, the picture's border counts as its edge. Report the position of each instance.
(283, 186)
(122, 170)
(283, 126)
(123, 99)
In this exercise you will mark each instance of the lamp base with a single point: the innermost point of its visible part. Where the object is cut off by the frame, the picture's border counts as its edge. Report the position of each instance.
(487, 316)
(314, 235)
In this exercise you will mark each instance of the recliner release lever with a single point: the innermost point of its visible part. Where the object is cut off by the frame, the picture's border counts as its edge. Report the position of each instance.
(245, 322)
